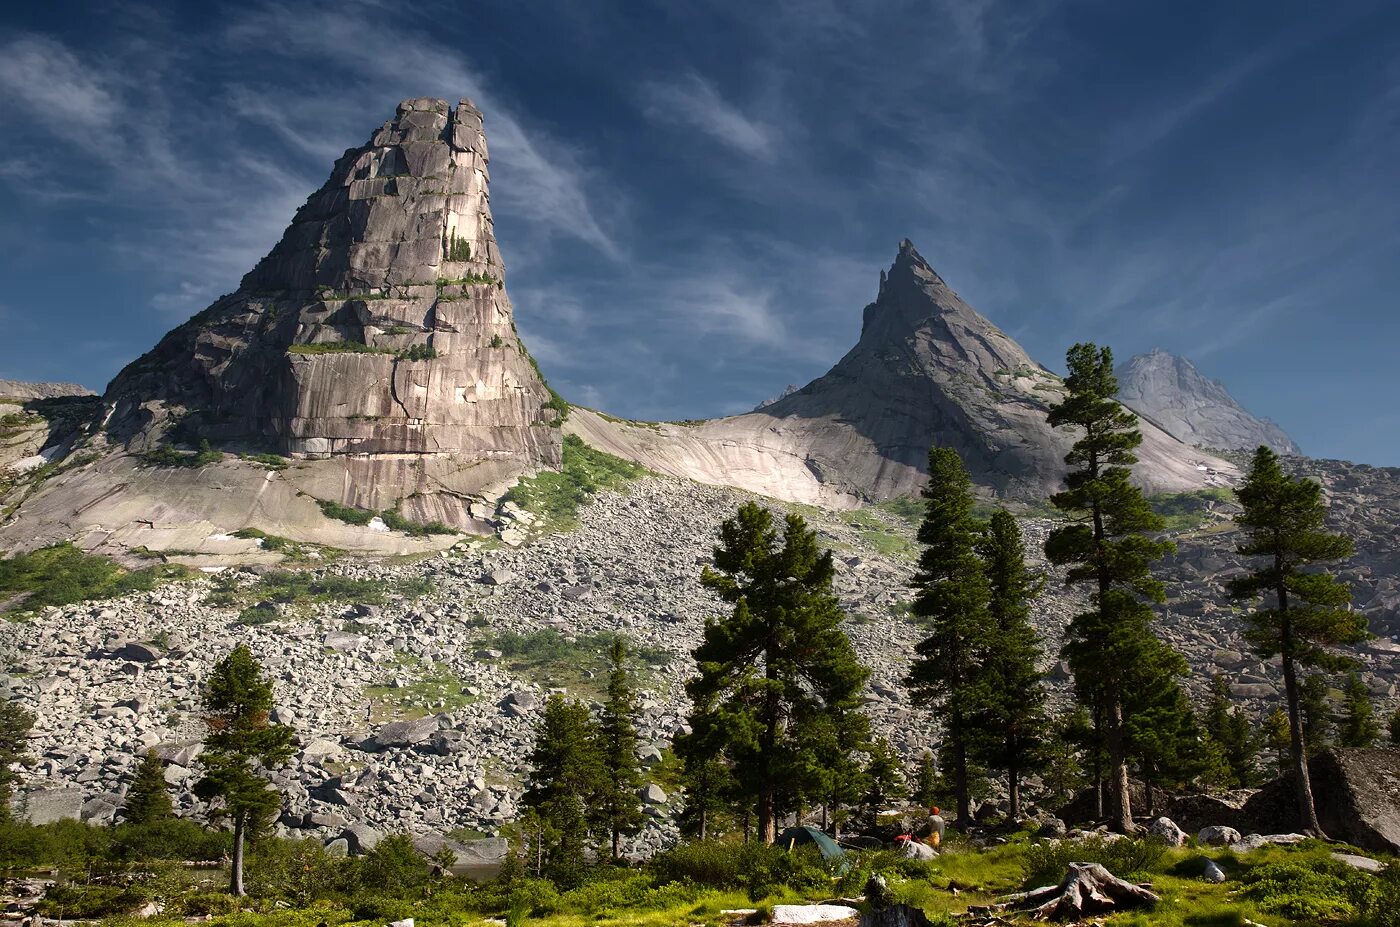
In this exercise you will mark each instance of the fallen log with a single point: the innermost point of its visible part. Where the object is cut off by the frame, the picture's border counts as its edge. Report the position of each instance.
(1086, 889)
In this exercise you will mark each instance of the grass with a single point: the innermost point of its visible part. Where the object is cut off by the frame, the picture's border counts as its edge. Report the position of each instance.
(61, 574)
(391, 518)
(292, 551)
(879, 535)
(270, 461)
(434, 688)
(579, 664)
(1187, 511)
(557, 497)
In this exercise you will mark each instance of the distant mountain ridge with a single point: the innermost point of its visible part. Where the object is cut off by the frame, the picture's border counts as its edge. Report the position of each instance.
(1172, 392)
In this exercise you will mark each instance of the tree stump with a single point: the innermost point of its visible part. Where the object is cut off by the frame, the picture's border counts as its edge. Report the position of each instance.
(1087, 888)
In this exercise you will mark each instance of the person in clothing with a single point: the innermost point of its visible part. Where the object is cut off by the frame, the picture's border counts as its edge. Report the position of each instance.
(936, 825)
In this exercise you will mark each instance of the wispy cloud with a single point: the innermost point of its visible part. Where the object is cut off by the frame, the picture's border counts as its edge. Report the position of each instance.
(693, 102)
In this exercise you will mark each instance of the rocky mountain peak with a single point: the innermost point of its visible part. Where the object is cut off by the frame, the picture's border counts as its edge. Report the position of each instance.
(1171, 391)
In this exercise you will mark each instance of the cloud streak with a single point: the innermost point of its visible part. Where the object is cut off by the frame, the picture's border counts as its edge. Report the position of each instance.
(693, 102)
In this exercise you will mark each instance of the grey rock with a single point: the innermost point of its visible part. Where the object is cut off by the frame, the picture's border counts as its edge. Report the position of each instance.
(404, 733)
(1212, 872)
(1363, 863)
(45, 806)
(138, 652)
(361, 838)
(1218, 836)
(653, 794)
(1166, 829)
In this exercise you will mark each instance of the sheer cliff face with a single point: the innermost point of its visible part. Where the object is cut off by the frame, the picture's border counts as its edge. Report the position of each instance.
(1170, 391)
(927, 370)
(377, 332)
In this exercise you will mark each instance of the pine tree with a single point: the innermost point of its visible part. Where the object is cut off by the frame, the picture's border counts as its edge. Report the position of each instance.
(1107, 547)
(241, 742)
(15, 724)
(1228, 726)
(1359, 725)
(1277, 736)
(952, 598)
(1159, 726)
(1393, 726)
(148, 799)
(620, 806)
(779, 659)
(1315, 705)
(707, 773)
(884, 778)
(1064, 766)
(1011, 713)
(566, 776)
(1304, 611)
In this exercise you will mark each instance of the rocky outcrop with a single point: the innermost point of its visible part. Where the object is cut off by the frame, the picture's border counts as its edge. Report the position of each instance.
(374, 345)
(1174, 394)
(928, 369)
(1356, 792)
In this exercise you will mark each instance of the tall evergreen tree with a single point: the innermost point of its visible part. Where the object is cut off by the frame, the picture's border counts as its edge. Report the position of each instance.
(1303, 613)
(148, 799)
(1359, 725)
(15, 724)
(241, 743)
(566, 776)
(884, 778)
(1011, 713)
(619, 804)
(952, 598)
(927, 785)
(779, 659)
(1230, 727)
(1064, 756)
(1107, 547)
(711, 789)
(1160, 731)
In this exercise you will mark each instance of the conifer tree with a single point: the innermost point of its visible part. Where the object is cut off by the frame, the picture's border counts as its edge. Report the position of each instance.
(1277, 736)
(928, 785)
(1160, 728)
(619, 804)
(1011, 713)
(1228, 726)
(952, 599)
(884, 778)
(1315, 705)
(1303, 612)
(15, 724)
(1107, 547)
(1359, 725)
(1064, 767)
(1393, 726)
(566, 776)
(148, 799)
(241, 743)
(781, 657)
(707, 773)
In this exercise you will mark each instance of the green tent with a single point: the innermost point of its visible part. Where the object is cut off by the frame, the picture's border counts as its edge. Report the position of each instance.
(797, 836)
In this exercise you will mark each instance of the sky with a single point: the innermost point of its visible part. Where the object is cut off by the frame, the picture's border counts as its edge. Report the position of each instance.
(694, 200)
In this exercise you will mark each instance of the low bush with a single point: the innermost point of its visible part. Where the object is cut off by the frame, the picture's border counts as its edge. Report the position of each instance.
(255, 615)
(173, 839)
(61, 574)
(1311, 890)
(760, 869)
(83, 901)
(167, 456)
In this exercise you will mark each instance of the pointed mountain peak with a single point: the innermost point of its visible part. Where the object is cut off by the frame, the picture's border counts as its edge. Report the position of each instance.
(1173, 392)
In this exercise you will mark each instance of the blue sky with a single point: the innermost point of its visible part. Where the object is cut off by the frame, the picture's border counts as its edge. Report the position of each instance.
(694, 200)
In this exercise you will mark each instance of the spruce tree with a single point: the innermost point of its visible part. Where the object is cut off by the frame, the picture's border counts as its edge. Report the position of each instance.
(1064, 749)
(884, 777)
(1011, 712)
(1359, 725)
(1107, 547)
(1228, 726)
(1303, 613)
(928, 785)
(240, 745)
(779, 659)
(1160, 729)
(619, 804)
(952, 598)
(707, 773)
(566, 777)
(148, 799)
(15, 724)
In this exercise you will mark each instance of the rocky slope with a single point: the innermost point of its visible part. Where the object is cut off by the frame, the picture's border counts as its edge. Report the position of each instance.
(21, 391)
(1171, 392)
(928, 369)
(375, 345)
(412, 714)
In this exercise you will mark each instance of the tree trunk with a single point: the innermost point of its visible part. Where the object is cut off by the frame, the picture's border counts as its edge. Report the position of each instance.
(1121, 819)
(1307, 809)
(1087, 889)
(960, 786)
(235, 887)
(1097, 749)
(767, 819)
(1013, 784)
(616, 843)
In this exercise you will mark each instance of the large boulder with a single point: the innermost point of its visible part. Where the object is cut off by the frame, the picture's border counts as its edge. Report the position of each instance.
(397, 734)
(45, 806)
(1356, 792)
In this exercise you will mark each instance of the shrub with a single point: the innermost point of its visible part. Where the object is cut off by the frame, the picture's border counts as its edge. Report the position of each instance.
(297, 871)
(585, 472)
(759, 868)
(1311, 890)
(167, 456)
(393, 867)
(259, 614)
(175, 838)
(346, 513)
(397, 522)
(1046, 863)
(496, 341)
(76, 900)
